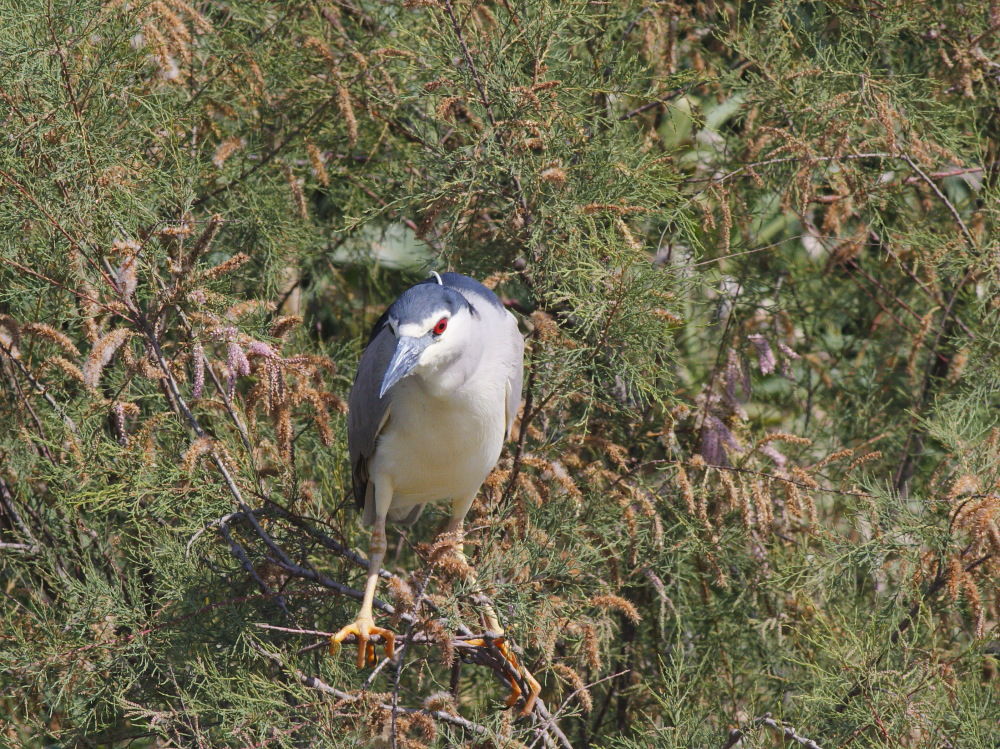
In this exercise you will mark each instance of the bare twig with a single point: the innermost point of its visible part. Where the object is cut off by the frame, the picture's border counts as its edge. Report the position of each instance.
(41, 444)
(270, 155)
(26, 548)
(786, 160)
(670, 96)
(571, 695)
(786, 730)
(59, 285)
(240, 553)
(124, 639)
(943, 198)
(733, 739)
(907, 621)
(932, 293)
(945, 173)
(295, 631)
(854, 156)
(319, 685)
(936, 365)
(10, 509)
(527, 414)
(70, 93)
(744, 471)
(487, 106)
(476, 78)
(402, 651)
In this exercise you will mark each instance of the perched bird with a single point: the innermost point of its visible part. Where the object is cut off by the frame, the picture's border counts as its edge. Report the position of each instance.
(435, 396)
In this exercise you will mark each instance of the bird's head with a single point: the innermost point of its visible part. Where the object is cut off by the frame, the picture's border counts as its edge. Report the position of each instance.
(433, 325)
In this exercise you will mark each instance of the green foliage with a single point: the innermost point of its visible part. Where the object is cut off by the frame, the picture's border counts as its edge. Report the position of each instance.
(755, 488)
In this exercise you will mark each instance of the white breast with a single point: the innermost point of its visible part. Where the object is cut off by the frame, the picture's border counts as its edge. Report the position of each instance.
(441, 448)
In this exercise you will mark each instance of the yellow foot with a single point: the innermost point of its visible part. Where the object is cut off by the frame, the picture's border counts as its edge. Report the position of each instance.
(363, 629)
(516, 693)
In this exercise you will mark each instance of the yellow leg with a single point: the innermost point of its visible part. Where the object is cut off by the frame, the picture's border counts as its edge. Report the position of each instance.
(492, 624)
(364, 626)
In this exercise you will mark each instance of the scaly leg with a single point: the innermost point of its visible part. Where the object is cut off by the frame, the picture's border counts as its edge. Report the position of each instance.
(364, 626)
(496, 632)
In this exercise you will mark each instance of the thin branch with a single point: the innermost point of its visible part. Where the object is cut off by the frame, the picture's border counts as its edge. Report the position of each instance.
(481, 87)
(55, 224)
(26, 548)
(313, 682)
(40, 388)
(854, 156)
(527, 414)
(733, 739)
(476, 78)
(945, 173)
(295, 631)
(936, 362)
(124, 639)
(473, 653)
(240, 553)
(745, 471)
(574, 693)
(402, 651)
(907, 621)
(70, 94)
(932, 293)
(666, 98)
(269, 156)
(42, 443)
(943, 198)
(78, 294)
(788, 159)
(10, 509)
(787, 731)
(458, 641)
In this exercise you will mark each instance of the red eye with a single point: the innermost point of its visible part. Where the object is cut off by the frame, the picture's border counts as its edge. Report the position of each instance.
(441, 327)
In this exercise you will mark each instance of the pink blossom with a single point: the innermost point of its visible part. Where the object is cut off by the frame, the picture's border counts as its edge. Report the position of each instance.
(765, 356)
(238, 364)
(259, 348)
(199, 370)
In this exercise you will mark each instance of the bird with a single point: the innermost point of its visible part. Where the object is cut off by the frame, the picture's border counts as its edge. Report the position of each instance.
(435, 397)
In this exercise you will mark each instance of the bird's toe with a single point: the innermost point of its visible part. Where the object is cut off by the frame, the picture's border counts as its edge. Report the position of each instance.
(514, 673)
(363, 630)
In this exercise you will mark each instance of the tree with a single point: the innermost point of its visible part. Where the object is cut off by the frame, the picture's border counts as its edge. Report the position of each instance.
(753, 497)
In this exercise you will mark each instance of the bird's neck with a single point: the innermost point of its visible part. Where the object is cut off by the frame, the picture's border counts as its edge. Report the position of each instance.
(449, 379)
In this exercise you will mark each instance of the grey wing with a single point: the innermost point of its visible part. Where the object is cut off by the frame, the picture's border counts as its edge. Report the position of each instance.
(367, 413)
(515, 378)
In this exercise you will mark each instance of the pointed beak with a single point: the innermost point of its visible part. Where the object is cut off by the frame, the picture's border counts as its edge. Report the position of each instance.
(404, 359)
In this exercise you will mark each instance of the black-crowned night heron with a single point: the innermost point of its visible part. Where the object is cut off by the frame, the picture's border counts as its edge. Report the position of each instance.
(435, 396)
